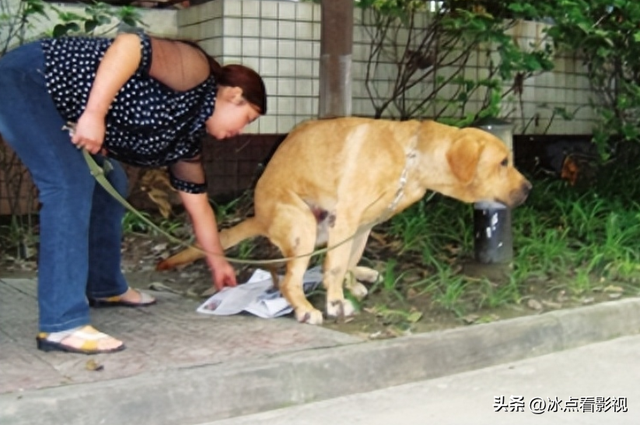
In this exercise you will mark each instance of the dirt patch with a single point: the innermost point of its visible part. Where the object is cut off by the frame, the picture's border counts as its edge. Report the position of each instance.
(384, 313)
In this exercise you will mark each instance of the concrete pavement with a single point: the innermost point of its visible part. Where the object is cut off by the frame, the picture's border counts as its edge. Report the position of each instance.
(591, 385)
(184, 368)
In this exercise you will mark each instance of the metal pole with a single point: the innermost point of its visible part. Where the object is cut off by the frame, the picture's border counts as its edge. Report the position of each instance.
(336, 47)
(491, 220)
(492, 233)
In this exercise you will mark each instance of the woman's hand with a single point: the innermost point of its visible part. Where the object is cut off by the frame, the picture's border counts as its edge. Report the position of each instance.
(222, 272)
(89, 132)
(206, 229)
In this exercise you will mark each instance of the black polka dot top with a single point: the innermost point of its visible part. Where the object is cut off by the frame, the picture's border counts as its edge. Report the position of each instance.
(148, 123)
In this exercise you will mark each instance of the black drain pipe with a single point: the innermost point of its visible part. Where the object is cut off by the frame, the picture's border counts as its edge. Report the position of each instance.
(492, 221)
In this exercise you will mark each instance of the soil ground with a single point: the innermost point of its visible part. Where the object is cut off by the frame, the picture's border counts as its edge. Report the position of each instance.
(382, 314)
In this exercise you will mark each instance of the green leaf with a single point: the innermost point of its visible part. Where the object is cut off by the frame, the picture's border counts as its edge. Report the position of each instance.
(90, 26)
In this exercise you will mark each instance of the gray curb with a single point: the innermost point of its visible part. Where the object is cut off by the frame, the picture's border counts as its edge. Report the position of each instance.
(213, 392)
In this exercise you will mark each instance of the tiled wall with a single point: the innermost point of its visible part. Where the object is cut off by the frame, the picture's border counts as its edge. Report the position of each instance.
(281, 40)
(566, 87)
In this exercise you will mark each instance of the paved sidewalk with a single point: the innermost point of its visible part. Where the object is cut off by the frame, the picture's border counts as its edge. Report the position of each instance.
(184, 368)
(591, 385)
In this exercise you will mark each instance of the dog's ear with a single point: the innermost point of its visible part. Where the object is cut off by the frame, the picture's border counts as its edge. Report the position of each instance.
(463, 157)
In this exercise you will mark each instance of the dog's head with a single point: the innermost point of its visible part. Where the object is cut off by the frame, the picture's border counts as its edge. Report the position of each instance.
(482, 167)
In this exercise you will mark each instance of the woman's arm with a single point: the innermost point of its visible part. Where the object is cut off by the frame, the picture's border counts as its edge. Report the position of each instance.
(120, 62)
(175, 64)
(206, 230)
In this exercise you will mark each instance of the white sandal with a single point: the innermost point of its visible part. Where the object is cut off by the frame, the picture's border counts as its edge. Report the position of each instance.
(88, 334)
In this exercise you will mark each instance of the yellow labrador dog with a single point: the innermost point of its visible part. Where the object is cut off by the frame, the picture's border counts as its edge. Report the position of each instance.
(331, 181)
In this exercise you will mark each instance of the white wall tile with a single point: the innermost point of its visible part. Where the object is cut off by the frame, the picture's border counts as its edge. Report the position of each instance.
(271, 85)
(306, 106)
(315, 45)
(233, 27)
(286, 86)
(361, 35)
(287, 10)
(363, 107)
(269, 66)
(287, 67)
(304, 31)
(232, 46)
(269, 48)
(253, 63)
(286, 48)
(204, 11)
(559, 64)
(250, 27)
(304, 11)
(250, 47)
(269, 9)
(304, 50)
(189, 16)
(231, 58)
(287, 29)
(304, 87)
(269, 29)
(253, 128)
(561, 96)
(268, 123)
(285, 105)
(250, 8)
(280, 39)
(213, 46)
(304, 69)
(231, 8)
(286, 123)
(571, 81)
(212, 28)
(190, 32)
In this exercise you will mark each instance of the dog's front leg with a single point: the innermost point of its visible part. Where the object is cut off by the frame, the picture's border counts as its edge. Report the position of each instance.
(292, 289)
(293, 232)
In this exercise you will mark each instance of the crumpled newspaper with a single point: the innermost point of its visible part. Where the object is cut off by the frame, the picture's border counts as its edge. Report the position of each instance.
(257, 296)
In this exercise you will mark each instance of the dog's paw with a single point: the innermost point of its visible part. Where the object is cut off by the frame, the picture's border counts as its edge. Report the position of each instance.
(312, 317)
(340, 308)
(365, 274)
(357, 289)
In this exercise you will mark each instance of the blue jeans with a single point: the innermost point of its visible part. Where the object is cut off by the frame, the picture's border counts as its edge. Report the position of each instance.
(80, 223)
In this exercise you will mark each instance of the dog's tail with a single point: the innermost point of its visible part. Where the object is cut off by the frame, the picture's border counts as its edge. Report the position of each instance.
(228, 238)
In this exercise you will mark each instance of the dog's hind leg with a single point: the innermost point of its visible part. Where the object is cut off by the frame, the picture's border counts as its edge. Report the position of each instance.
(246, 229)
(293, 231)
(336, 264)
(228, 238)
(355, 273)
(365, 274)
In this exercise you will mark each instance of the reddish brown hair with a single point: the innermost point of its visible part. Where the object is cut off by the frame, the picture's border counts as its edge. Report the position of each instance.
(251, 83)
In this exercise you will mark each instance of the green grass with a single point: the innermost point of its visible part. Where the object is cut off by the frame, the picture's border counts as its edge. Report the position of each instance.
(132, 223)
(566, 240)
(570, 243)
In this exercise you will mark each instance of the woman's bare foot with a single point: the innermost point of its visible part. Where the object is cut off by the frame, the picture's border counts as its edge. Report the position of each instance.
(136, 297)
(131, 298)
(85, 339)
